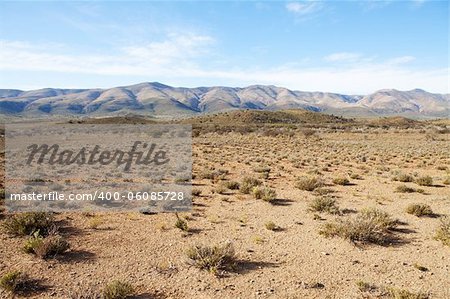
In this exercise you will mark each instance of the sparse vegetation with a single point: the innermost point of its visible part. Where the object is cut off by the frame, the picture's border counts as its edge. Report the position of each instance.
(443, 231)
(369, 226)
(232, 185)
(404, 189)
(181, 224)
(343, 181)
(95, 222)
(365, 286)
(12, 281)
(117, 290)
(248, 183)
(264, 193)
(52, 245)
(324, 204)
(424, 181)
(212, 258)
(419, 210)
(404, 178)
(405, 294)
(271, 226)
(308, 183)
(28, 223)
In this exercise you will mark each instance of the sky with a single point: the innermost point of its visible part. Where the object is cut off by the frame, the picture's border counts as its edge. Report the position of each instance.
(351, 47)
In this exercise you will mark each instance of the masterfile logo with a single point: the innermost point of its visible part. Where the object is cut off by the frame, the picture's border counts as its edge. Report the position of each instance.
(98, 167)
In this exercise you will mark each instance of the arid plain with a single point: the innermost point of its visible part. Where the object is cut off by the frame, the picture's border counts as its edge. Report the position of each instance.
(287, 204)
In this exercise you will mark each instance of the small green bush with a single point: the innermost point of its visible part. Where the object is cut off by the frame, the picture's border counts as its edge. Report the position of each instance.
(28, 223)
(11, 281)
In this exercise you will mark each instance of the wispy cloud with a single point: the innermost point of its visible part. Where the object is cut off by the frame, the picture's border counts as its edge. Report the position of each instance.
(304, 7)
(178, 58)
(177, 50)
(418, 3)
(343, 57)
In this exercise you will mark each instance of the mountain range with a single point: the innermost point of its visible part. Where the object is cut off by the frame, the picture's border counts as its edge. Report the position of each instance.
(156, 99)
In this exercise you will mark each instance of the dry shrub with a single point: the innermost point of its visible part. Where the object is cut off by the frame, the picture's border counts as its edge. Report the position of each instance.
(324, 204)
(419, 210)
(404, 189)
(424, 181)
(405, 294)
(308, 183)
(232, 185)
(248, 183)
(264, 193)
(117, 290)
(369, 226)
(403, 177)
(52, 245)
(443, 231)
(343, 181)
(212, 258)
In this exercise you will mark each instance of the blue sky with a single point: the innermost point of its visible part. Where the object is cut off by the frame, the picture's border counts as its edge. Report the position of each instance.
(339, 46)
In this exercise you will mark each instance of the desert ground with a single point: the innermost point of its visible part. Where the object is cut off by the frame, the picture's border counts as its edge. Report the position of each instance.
(281, 189)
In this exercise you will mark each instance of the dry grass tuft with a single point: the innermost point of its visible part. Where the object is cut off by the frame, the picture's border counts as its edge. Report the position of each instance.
(117, 290)
(419, 210)
(212, 258)
(248, 183)
(308, 183)
(324, 204)
(369, 226)
(264, 193)
(443, 231)
(424, 181)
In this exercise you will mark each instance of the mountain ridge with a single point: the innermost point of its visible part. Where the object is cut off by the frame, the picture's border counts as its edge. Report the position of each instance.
(157, 99)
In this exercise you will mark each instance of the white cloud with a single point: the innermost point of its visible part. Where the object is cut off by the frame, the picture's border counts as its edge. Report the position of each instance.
(178, 59)
(304, 7)
(177, 47)
(343, 57)
(175, 51)
(401, 60)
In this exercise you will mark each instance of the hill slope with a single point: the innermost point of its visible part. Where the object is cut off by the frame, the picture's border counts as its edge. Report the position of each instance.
(162, 100)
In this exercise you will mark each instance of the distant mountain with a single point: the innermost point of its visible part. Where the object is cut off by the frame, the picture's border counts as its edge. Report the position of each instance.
(157, 99)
